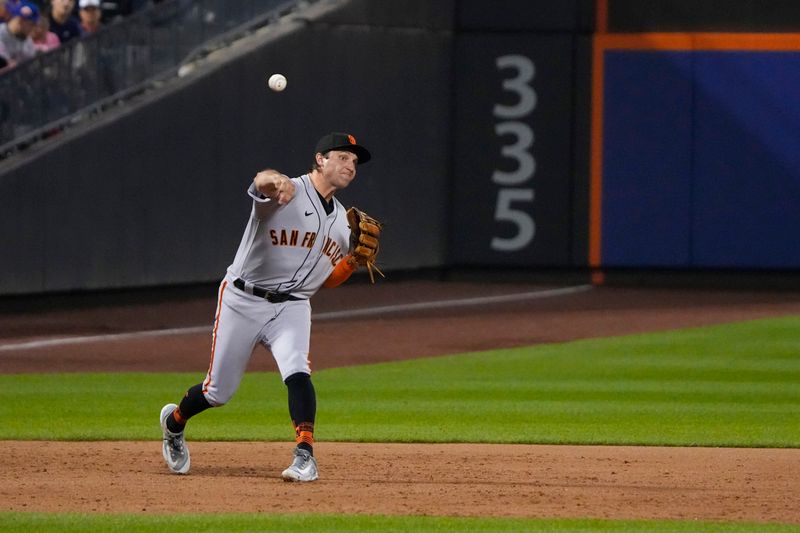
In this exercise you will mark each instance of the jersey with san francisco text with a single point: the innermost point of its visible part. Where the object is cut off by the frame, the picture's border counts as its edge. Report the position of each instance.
(294, 247)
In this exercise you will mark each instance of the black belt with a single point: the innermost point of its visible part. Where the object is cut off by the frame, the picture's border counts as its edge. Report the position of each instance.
(271, 297)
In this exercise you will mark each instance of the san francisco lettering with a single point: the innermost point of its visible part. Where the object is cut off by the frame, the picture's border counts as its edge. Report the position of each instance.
(332, 250)
(286, 237)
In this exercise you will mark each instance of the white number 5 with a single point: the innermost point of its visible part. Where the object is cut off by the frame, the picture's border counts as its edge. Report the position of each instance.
(526, 228)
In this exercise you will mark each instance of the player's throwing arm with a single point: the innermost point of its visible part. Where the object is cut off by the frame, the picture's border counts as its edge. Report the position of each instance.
(275, 186)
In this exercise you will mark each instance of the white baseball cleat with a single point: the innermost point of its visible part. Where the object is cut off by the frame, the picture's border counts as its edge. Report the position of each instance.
(174, 449)
(303, 468)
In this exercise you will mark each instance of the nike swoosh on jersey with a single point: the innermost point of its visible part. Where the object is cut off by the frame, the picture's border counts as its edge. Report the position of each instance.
(309, 214)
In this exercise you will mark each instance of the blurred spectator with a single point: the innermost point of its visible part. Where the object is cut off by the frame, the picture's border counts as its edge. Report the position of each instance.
(6, 7)
(16, 44)
(62, 22)
(5, 14)
(90, 14)
(43, 38)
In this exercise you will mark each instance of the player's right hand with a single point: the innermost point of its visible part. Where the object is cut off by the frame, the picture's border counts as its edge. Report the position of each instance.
(275, 186)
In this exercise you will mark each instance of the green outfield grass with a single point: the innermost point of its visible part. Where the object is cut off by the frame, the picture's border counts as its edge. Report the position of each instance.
(729, 385)
(228, 523)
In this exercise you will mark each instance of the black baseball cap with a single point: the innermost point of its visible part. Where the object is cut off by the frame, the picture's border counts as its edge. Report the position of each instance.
(344, 142)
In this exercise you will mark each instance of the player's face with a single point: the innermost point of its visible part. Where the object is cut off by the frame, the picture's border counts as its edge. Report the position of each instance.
(339, 168)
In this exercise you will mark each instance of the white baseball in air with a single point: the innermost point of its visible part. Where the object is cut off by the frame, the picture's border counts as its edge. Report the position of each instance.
(277, 82)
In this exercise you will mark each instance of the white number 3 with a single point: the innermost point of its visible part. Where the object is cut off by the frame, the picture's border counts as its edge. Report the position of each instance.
(519, 84)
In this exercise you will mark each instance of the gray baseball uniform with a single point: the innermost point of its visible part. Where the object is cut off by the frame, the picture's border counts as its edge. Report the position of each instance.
(288, 250)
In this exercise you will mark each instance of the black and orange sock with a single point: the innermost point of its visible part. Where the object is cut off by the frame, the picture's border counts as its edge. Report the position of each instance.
(176, 422)
(304, 436)
(193, 402)
(302, 409)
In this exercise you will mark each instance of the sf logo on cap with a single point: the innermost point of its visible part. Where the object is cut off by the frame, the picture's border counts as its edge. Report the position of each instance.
(351, 139)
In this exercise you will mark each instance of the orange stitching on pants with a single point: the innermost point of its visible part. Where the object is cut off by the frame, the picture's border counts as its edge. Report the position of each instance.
(207, 382)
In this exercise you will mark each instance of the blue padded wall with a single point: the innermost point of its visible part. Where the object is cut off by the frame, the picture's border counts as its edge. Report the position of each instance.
(701, 159)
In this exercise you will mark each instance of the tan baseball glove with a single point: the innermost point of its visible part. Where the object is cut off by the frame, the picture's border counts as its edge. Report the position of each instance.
(365, 233)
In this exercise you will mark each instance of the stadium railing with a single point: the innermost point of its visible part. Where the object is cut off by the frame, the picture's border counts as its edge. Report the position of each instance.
(85, 76)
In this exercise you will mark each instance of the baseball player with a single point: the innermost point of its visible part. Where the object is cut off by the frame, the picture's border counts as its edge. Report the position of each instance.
(296, 240)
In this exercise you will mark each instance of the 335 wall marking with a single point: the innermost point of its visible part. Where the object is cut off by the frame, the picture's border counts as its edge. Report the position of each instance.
(516, 186)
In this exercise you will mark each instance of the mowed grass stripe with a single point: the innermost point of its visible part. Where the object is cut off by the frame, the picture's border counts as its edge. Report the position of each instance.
(183, 523)
(729, 385)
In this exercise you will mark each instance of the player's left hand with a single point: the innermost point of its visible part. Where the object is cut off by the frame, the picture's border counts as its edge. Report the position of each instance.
(365, 232)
